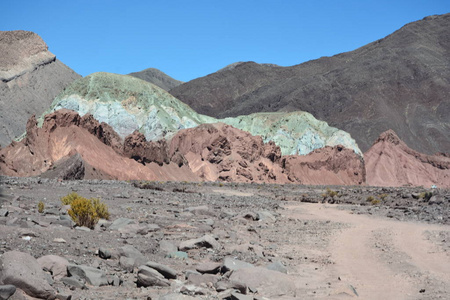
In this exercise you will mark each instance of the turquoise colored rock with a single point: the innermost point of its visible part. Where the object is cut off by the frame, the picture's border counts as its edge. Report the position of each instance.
(295, 132)
(127, 104)
(178, 255)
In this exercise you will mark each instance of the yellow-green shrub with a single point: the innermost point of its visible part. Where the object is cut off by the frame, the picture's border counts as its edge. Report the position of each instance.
(67, 200)
(85, 212)
(41, 207)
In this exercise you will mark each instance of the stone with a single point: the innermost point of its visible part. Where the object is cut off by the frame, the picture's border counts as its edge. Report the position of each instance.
(277, 266)
(267, 282)
(54, 264)
(266, 216)
(82, 228)
(231, 264)
(199, 279)
(131, 252)
(120, 222)
(104, 253)
(65, 223)
(127, 263)
(24, 272)
(7, 291)
(166, 271)
(73, 282)
(59, 240)
(206, 241)
(200, 210)
(167, 247)
(92, 276)
(239, 296)
(178, 255)
(147, 276)
(4, 212)
(209, 268)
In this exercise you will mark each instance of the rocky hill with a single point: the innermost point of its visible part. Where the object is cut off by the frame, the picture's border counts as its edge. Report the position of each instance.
(68, 146)
(158, 78)
(390, 162)
(128, 104)
(30, 78)
(400, 82)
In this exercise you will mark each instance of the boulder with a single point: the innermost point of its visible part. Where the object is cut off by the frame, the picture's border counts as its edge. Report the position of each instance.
(166, 271)
(24, 272)
(120, 222)
(92, 276)
(147, 276)
(277, 266)
(231, 264)
(267, 282)
(209, 268)
(131, 252)
(54, 264)
(7, 291)
(206, 241)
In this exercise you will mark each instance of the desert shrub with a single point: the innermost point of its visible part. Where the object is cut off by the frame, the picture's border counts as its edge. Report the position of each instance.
(67, 200)
(375, 202)
(370, 198)
(426, 196)
(41, 207)
(331, 193)
(85, 212)
(100, 208)
(383, 197)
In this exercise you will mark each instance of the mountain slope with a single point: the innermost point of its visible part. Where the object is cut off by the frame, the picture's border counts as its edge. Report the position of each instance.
(30, 78)
(390, 162)
(400, 82)
(158, 78)
(128, 104)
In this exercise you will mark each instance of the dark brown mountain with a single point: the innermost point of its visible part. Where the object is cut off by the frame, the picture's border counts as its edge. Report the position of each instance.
(400, 82)
(158, 78)
(30, 77)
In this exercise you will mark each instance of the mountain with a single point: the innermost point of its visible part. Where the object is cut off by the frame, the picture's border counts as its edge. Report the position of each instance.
(30, 78)
(158, 78)
(390, 162)
(400, 82)
(128, 104)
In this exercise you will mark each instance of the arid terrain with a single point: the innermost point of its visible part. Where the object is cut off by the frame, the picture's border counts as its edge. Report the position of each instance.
(363, 243)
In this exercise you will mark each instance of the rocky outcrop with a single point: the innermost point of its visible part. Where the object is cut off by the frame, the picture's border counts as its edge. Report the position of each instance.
(330, 165)
(221, 152)
(128, 104)
(68, 146)
(62, 136)
(158, 78)
(399, 82)
(390, 162)
(30, 77)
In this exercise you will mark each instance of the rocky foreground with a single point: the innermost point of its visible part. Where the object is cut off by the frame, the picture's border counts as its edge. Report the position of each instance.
(169, 240)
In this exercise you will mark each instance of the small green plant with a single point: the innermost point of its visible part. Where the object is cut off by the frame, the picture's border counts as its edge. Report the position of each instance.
(67, 200)
(383, 197)
(41, 207)
(373, 200)
(85, 212)
(331, 193)
(426, 196)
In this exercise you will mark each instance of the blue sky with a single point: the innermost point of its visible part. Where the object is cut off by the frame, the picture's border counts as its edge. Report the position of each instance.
(190, 39)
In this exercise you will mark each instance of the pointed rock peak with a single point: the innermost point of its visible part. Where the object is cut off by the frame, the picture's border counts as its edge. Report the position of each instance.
(389, 136)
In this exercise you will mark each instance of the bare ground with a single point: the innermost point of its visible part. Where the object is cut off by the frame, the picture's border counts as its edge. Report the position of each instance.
(331, 251)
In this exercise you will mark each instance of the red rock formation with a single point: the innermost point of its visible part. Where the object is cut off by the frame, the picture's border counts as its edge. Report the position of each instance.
(390, 162)
(72, 147)
(329, 165)
(63, 136)
(222, 152)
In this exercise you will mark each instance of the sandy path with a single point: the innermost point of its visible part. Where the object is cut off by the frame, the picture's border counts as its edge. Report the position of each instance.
(395, 265)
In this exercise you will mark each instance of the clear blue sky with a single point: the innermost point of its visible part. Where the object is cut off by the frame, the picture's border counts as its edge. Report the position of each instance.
(188, 39)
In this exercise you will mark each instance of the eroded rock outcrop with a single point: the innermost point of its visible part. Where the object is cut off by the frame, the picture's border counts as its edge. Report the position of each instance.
(62, 136)
(390, 162)
(30, 78)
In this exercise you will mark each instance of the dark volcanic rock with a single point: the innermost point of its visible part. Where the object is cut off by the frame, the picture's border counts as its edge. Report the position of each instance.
(400, 82)
(30, 77)
(157, 77)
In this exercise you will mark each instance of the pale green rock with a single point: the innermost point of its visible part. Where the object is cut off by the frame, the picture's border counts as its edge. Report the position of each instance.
(127, 104)
(295, 132)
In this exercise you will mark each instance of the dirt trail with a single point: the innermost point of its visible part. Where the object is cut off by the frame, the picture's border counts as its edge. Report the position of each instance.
(382, 258)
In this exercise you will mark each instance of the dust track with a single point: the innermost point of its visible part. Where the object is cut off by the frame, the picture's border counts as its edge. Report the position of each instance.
(382, 258)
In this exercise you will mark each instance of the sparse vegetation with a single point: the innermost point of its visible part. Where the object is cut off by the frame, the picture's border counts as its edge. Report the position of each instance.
(383, 197)
(41, 207)
(426, 196)
(85, 212)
